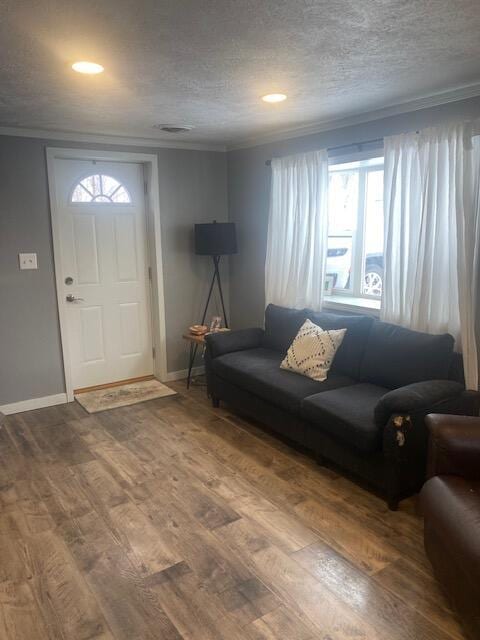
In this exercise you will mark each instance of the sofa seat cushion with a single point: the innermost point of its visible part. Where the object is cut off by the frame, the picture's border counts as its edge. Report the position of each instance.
(451, 505)
(258, 371)
(347, 414)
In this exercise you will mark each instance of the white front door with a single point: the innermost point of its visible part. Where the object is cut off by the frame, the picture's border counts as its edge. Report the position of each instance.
(105, 289)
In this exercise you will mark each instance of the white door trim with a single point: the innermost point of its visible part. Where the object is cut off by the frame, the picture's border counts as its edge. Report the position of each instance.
(154, 248)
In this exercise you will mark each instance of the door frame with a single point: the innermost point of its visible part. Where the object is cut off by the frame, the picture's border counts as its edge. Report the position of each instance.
(149, 163)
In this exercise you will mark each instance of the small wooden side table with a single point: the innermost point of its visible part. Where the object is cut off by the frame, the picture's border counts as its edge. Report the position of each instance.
(195, 342)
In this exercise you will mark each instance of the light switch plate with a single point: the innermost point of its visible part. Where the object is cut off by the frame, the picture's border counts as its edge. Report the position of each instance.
(28, 260)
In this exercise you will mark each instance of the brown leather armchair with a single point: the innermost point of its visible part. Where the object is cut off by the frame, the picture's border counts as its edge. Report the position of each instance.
(451, 507)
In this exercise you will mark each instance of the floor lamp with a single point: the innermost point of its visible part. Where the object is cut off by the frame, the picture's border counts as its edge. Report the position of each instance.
(215, 239)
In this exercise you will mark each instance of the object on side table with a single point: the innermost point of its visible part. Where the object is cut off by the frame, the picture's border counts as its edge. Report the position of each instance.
(198, 329)
(451, 506)
(215, 324)
(215, 239)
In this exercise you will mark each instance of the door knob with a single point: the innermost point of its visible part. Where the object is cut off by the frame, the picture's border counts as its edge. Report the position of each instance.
(71, 298)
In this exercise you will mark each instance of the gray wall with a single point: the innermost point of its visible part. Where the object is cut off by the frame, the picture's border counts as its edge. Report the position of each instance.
(192, 189)
(248, 195)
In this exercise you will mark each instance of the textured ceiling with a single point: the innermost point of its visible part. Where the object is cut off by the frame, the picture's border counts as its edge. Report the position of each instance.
(206, 62)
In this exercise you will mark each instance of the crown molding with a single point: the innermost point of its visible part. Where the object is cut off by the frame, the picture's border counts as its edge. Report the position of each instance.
(93, 138)
(432, 100)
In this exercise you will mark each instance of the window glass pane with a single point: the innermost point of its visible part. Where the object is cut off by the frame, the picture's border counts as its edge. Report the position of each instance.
(339, 260)
(121, 195)
(342, 222)
(109, 185)
(373, 244)
(80, 194)
(342, 201)
(100, 188)
(92, 183)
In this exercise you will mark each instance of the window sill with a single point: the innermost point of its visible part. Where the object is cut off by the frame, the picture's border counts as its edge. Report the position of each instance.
(365, 306)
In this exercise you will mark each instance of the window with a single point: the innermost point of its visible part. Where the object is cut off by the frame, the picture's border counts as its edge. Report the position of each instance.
(100, 188)
(355, 229)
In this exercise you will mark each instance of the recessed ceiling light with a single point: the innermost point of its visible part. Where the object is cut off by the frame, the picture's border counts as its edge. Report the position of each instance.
(90, 68)
(274, 97)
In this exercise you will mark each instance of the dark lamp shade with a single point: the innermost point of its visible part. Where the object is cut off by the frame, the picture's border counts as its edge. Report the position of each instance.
(215, 239)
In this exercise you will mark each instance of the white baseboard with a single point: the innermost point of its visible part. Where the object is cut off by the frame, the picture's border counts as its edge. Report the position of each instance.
(34, 403)
(183, 373)
(61, 398)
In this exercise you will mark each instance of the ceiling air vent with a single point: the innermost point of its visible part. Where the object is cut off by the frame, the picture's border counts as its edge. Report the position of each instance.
(173, 128)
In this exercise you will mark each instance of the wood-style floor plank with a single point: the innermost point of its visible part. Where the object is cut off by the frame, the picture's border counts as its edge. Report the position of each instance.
(380, 606)
(280, 623)
(66, 603)
(19, 616)
(170, 520)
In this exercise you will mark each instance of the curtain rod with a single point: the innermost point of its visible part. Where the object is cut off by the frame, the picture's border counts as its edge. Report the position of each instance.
(476, 131)
(344, 146)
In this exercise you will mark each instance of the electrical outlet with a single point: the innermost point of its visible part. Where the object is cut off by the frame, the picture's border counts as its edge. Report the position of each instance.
(27, 260)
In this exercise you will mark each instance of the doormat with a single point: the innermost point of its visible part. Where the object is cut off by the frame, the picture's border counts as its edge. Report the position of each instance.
(123, 396)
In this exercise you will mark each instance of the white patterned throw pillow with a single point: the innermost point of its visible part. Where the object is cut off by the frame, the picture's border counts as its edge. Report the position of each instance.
(312, 352)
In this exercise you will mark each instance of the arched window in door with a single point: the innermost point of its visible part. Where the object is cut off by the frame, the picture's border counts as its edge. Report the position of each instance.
(100, 188)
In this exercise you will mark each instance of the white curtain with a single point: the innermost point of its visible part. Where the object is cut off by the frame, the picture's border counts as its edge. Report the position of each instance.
(297, 231)
(432, 224)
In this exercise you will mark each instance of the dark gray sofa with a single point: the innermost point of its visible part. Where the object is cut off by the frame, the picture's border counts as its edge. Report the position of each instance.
(368, 416)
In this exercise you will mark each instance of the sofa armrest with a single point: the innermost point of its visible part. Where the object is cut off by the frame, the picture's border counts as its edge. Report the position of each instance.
(414, 398)
(454, 446)
(405, 435)
(229, 341)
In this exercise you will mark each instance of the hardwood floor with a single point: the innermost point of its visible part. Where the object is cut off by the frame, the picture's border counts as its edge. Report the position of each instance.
(169, 520)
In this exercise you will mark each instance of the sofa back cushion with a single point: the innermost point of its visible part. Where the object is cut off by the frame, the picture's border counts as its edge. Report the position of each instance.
(281, 326)
(457, 372)
(395, 356)
(350, 353)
